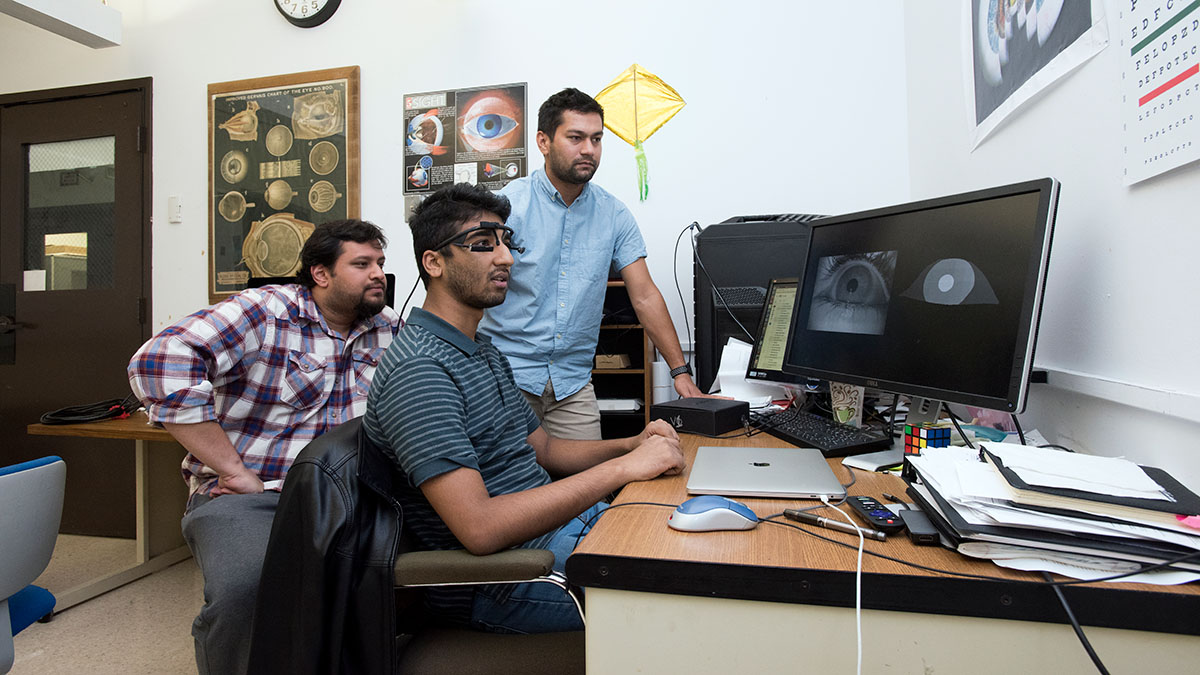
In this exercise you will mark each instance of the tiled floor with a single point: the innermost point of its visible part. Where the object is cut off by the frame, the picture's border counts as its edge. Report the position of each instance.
(142, 627)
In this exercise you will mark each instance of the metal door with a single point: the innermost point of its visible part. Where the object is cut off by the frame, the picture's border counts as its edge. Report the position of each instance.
(74, 280)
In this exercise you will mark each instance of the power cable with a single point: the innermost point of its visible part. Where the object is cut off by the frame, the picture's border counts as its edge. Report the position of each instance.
(113, 408)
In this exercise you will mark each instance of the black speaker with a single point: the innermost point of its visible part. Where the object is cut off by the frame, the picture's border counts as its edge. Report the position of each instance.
(739, 257)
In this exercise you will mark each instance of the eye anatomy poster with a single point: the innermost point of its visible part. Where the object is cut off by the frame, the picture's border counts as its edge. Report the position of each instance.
(472, 135)
(1160, 85)
(283, 158)
(1017, 48)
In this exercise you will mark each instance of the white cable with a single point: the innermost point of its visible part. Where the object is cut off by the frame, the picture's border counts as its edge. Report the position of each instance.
(857, 580)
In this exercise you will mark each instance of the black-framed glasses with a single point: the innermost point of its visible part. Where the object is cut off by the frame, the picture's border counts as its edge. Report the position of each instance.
(502, 234)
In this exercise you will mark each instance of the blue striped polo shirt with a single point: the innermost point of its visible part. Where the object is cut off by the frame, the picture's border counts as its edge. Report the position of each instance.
(440, 401)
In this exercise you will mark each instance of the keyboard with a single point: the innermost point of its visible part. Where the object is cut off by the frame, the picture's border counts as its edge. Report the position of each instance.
(740, 296)
(832, 438)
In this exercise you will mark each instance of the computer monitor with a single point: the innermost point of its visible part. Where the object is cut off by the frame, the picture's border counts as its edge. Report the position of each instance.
(936, 299)
(770, 342)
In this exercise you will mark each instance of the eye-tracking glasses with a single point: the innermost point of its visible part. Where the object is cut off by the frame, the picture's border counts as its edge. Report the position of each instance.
(476, 241)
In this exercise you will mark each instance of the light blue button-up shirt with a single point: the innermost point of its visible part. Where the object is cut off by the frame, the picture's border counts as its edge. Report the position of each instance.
(549, 323)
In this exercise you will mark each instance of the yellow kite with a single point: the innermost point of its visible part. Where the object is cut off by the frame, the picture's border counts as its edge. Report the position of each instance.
(637, 104)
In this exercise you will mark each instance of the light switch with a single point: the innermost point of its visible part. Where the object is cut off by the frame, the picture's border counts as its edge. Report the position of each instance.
(174, 210)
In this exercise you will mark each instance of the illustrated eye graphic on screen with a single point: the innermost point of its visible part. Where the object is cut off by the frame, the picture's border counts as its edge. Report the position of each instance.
(490, 122)
(952, 281)
(851, 293)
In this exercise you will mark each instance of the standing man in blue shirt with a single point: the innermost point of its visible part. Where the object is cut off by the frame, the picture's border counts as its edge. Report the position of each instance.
(574, 231)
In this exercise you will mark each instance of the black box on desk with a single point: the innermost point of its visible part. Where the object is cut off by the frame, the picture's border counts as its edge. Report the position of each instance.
(711, 416)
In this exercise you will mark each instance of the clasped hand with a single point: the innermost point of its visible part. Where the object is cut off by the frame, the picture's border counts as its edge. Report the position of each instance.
(657, 451)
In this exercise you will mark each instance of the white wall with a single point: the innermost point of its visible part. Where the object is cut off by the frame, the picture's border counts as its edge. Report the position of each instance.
(792, 106)
(1118, 330)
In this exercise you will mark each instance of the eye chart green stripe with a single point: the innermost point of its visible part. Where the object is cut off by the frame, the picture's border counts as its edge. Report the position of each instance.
(1164, 28)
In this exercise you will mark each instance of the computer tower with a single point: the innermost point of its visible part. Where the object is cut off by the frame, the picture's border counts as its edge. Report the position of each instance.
(739, 256)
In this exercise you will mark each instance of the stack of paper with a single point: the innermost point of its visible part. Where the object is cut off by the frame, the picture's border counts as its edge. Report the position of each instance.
(1061, 510)
(732, 382)
(619, 404)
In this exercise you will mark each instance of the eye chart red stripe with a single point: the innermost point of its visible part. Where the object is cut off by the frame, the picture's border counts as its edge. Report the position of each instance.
(1168, 84)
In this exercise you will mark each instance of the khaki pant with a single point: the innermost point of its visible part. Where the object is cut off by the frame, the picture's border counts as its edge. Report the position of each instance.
(576, 417)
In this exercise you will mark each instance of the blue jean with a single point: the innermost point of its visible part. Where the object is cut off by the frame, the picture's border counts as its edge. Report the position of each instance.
(538, 607)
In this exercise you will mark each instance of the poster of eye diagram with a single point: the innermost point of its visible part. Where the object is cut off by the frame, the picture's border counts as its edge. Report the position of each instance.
(472, 135)
(1017, 48)
(1160, 85)
(283, 158)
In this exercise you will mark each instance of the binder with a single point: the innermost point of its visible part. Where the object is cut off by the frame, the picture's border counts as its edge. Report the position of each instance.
(1159, 511)
(956, 531)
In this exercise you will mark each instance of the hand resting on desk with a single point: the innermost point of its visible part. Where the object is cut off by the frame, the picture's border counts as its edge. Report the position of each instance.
(657, 455)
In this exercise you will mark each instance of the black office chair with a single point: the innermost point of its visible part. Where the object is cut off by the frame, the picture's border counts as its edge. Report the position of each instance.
(341, 582)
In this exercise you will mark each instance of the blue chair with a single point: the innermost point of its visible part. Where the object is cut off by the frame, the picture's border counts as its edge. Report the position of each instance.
(31, 500)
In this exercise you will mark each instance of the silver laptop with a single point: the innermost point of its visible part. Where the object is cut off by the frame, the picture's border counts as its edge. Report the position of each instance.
(799, 473)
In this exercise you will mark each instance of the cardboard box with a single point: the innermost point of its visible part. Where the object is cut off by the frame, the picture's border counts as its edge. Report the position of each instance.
(612, 361)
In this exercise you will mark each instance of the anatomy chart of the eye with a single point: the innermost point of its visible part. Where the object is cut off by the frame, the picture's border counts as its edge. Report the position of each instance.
(1160, 85)
(472, 135)
(1017, 48)
(284, 157)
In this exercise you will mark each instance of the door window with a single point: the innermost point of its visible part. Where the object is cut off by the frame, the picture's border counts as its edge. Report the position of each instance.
(69, 222)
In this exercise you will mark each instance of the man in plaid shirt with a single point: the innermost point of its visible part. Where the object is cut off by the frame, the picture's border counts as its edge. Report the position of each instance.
(244, 385)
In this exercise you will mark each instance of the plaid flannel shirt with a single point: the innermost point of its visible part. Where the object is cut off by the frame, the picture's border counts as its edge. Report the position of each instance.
(266, 367)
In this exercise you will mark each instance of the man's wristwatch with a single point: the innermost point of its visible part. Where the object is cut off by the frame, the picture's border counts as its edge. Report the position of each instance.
(685, 368)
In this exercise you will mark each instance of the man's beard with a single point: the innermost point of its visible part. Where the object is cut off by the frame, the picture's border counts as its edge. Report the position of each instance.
(367, 308)
(569, 173)
(460, 289)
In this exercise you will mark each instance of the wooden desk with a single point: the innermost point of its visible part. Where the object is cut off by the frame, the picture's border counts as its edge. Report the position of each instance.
(774, 599)
(160, 502)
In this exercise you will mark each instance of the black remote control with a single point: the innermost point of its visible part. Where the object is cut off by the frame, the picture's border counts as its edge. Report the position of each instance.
(875, 514)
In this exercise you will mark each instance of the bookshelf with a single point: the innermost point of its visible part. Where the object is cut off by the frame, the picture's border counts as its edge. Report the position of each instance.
(620, 334)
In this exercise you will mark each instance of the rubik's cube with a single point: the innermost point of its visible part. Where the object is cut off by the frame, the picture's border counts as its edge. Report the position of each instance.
(920, 436)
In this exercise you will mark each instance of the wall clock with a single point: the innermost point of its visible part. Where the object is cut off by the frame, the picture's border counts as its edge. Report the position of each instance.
(307, 13)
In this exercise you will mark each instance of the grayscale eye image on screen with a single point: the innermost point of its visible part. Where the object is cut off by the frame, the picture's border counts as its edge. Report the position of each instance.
(851, 293)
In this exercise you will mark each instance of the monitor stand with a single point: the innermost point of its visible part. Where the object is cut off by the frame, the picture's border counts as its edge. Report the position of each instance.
(923, 410)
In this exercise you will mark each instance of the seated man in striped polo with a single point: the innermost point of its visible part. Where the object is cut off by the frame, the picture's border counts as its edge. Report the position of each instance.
(478, 470)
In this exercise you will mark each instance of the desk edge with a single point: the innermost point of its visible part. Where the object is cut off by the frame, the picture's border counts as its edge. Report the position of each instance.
(1013, 600)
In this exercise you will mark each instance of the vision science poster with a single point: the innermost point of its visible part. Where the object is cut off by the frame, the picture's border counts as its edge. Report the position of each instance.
(1020, 47)
(474, 135)
(1160, 86)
